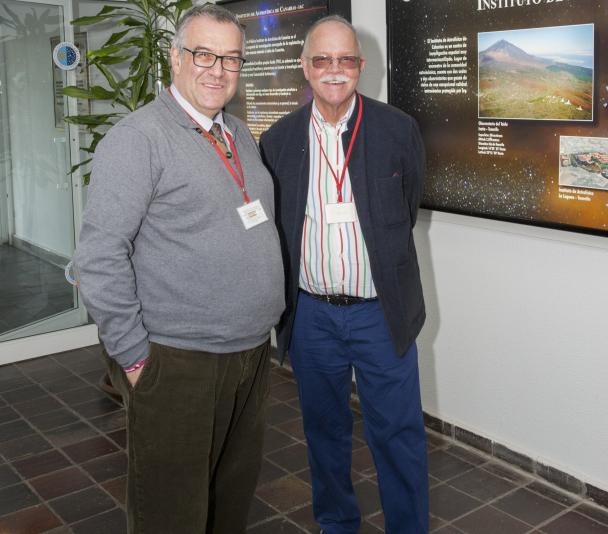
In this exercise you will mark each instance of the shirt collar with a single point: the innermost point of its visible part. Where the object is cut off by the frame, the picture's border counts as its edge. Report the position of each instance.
(199, 117)
(342, 122)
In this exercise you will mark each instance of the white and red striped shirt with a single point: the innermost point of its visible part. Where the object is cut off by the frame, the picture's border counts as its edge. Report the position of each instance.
(334, 258)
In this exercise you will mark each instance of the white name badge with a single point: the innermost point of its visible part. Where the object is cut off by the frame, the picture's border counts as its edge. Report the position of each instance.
(252, 214)
(343, 212)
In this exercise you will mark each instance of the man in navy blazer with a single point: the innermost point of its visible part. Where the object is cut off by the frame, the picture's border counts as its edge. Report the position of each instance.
(348, 175)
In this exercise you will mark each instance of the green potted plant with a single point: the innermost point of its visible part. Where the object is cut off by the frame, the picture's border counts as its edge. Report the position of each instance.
(141, 49)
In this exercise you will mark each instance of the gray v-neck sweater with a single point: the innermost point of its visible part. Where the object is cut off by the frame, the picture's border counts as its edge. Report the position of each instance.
(163, 255)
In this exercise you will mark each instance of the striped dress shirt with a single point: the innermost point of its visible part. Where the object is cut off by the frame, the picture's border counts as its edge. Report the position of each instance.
(334, 258)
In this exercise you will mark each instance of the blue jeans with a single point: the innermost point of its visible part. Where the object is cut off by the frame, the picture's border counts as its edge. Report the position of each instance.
(327, 343)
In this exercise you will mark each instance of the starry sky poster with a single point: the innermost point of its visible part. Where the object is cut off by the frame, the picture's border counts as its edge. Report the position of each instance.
(272, 82)
(512, 100)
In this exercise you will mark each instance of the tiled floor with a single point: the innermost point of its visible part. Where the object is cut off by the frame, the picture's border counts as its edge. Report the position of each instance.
(62, 465)
(30, 289)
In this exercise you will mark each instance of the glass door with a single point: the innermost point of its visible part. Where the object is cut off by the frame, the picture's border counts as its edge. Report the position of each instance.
(40, 201)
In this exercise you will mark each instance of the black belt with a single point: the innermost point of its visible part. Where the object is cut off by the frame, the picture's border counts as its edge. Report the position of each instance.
(339, 300)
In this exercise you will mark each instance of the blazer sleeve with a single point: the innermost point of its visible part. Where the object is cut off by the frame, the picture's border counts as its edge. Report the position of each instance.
(415, 167)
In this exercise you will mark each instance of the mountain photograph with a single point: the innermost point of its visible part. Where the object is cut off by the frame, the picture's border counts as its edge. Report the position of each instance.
(556, 83)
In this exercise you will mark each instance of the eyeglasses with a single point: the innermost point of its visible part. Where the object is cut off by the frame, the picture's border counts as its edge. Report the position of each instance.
(324, 62)
(202, 58)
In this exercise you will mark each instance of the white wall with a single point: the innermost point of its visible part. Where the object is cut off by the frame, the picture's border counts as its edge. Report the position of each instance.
(515, 347)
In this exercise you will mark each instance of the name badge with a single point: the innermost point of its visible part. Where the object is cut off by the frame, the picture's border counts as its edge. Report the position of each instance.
(343, 212)
(252, 214)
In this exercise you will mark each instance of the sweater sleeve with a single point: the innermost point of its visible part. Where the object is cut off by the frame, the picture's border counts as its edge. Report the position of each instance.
(118, 198)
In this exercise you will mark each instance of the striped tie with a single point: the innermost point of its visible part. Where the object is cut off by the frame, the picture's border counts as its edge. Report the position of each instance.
(216, 133)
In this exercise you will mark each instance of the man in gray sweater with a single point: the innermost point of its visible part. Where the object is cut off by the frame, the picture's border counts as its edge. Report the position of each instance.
(179, 265)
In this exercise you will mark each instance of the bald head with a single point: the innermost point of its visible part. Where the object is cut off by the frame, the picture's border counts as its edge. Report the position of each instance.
(331, 19)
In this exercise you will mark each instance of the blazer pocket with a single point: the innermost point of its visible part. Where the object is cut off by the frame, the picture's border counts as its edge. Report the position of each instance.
(393, 205)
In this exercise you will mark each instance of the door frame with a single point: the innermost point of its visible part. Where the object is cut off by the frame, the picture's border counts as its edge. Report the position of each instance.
(31, 337)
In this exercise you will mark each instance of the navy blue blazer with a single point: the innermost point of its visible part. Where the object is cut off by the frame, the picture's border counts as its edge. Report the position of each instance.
(386, 171)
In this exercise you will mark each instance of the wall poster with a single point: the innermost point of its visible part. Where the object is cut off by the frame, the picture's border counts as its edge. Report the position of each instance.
(272, 83)
(512, 100)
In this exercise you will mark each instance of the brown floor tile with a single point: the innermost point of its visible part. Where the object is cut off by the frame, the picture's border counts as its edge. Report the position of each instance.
(15, 429)
(481, 484)
(276, 379)
(89, 369)
(369, 528)
(80, 395)
(13, 384)
(552, 493)
(8, 414)
(96, 408)
(110, 422)
(112, 522)
(16, 498)
(294, 403)
(285, 391)
(38, 406)
(489, 519)
(285, 493)
(363, 461)
(434, 481)
(435, 523)
(8, 477)
(119, 437)
(270, 472)
(51, 420)
(274, 440)
(573, 523)
(10, 371)
(61, 483)
(89, 449)
(448, 529)
(19, 448)
(45, 376)
(276, 526)
(358, 430)
(81, 505)
(502, 471)
(280, 413)
(304, 518)
(293, 428)
(117, 488)
(444, 466)
(528, 506)
(377, 520)
(368, 497)
(447, 503)
(467, 455)
(24, 394)
(41, 464)
(29, 521)
(305, 476)
(107, 467)
(70, 434)
(65, 384)
(293, 458)
(594, 512)
(259, 511)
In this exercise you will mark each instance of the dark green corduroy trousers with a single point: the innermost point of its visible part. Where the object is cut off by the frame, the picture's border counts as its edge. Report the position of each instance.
(195, 423)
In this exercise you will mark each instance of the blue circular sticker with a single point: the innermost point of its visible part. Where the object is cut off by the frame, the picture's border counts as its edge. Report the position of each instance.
(66, 56)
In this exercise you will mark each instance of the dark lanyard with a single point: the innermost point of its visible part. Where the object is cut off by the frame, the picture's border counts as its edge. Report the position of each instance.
(340, 180)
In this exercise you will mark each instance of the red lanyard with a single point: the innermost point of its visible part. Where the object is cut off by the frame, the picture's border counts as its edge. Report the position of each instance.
(340, 180)
(238, 178)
